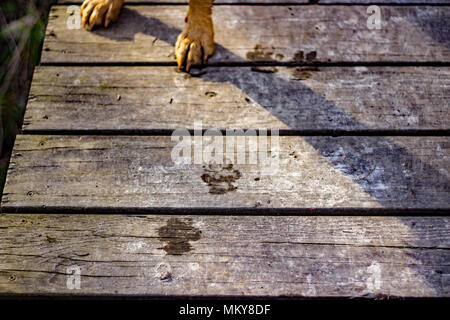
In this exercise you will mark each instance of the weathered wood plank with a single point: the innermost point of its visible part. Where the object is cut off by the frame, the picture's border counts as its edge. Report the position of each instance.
(216, 1)
(279, 1)
(300, 98)
(254, 33)
(211, 255)
(384, 1)
(140, 173)
(349, 2)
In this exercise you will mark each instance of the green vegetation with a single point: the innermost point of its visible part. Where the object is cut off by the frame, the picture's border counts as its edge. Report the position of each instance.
(22, 31)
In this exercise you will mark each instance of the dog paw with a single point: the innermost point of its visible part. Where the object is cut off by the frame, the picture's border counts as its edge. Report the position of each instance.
(99, 12)
(195, 44)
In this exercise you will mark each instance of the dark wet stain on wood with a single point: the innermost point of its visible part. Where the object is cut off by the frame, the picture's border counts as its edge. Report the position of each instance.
(221, 179)
(50, 239)
(300, 56)
(303, 73)
(265, 69)
(311, 56)
(177, 233)
(259, 54)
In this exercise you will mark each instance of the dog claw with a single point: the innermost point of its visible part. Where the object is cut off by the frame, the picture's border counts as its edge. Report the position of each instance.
(99, 12)
(194, 46)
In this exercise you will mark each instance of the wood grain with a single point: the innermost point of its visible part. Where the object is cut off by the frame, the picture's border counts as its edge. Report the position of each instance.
(256, 256)
(275, 2)
(165, 2)
(248, 253)
(349, 2)
(299, 99)
(138, 173)
(255, 34)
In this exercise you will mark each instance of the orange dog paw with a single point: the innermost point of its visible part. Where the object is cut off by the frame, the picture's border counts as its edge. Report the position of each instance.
(196, 43)
(99, 12)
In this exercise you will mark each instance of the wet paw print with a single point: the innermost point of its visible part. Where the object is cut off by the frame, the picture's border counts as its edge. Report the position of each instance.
(177, 234)
(263, 54)
(220, 179)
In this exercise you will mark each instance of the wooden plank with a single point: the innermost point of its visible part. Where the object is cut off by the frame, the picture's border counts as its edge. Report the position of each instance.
(300, 98)
(254, 33)
(211, 255)
(139, 173)
(280, 1)
(277, 2)
(369, 2)
(187, 1)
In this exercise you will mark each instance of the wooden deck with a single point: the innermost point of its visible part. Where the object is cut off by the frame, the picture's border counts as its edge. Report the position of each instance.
(358, 207)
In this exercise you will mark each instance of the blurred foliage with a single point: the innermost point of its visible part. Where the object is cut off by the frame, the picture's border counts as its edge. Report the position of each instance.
(22, 31)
